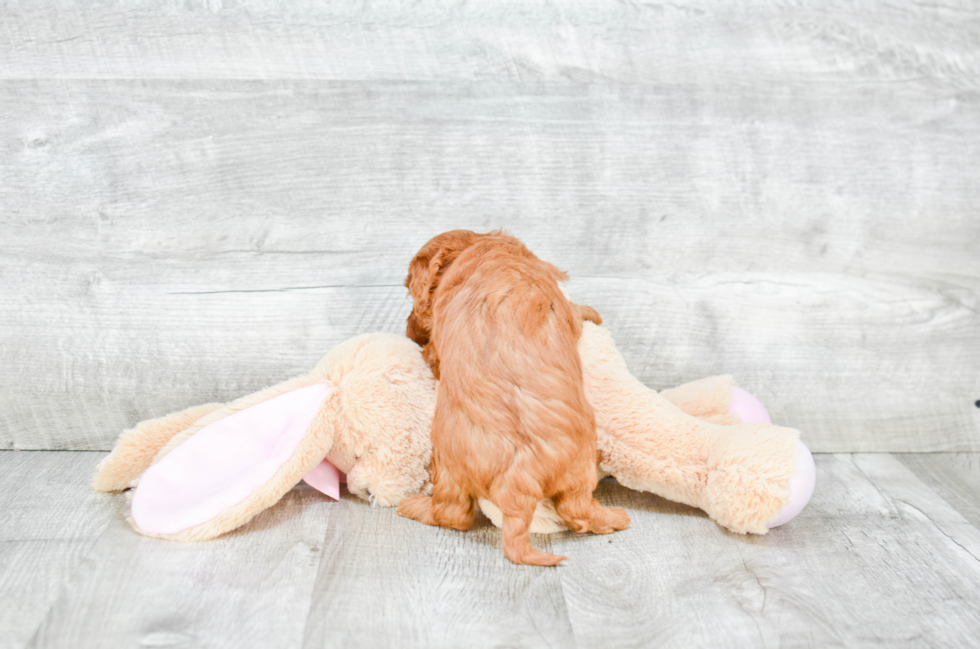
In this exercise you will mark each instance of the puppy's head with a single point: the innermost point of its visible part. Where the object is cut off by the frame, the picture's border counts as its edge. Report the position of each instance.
(424, 274)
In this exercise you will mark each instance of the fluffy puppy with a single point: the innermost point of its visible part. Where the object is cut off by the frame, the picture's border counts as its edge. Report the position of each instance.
(511, 423)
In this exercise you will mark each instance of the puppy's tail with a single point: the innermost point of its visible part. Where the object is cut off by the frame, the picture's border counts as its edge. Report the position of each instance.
(517, 541)
(587, 313)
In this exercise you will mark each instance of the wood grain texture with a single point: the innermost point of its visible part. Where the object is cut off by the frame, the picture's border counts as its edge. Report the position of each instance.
(251, 588)
(49, 522)
(684, 42)
(201, 199)
(953, 476)
(176, 243)
(386, 581)
(877, 559)
(916, 500)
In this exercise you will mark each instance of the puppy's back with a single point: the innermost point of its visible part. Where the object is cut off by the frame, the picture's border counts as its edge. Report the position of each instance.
(507, 339)
(499, 294)
(511, 423)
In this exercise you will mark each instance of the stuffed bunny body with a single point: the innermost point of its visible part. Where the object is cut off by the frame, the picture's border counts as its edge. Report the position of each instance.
(367, 407)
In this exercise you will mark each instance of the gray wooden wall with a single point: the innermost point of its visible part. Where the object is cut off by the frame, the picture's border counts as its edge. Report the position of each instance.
(199, 199)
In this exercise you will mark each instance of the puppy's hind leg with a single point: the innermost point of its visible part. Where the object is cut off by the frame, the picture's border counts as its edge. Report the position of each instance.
(583, 513)
(449, 506)
(418, 508)
(452, 505)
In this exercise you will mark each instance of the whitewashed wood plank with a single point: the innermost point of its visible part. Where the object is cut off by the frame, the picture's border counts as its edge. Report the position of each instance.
(639, 181)
(151, 354)
(858, 568)
(50, 520)
(953, 476)
(387, 581)
(669, 43)
(805, 350)
(915, 498)
(175, 243)
(250, 588)
(877, 559)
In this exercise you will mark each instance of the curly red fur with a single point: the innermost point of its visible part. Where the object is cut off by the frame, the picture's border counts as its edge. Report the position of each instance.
(512, 424)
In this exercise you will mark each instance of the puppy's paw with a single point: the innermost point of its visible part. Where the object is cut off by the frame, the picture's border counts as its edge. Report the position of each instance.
(418, 508)
(610, 519)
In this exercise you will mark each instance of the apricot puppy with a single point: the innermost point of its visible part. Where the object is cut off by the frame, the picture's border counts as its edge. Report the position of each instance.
(511, 424)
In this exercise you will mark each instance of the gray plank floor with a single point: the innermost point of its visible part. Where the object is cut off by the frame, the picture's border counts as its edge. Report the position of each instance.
(887, 554)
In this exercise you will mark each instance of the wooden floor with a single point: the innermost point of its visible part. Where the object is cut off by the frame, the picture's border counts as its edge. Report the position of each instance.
(887, 554)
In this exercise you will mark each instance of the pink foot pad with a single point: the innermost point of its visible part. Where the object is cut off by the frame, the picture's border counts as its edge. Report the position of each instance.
(800, 487)
(747, 408)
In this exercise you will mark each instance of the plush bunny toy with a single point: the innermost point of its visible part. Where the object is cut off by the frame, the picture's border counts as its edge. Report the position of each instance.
(366, 410)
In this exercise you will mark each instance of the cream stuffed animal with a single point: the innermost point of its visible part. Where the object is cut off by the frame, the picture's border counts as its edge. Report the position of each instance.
(366, 410)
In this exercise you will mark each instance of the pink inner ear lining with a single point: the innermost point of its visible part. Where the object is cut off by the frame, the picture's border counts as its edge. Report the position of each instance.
(225, 462)
(746, 407)
(325, 478)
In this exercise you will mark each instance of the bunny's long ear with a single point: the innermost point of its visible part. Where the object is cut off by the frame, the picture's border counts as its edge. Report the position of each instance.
(243, 460)
(136, 447)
